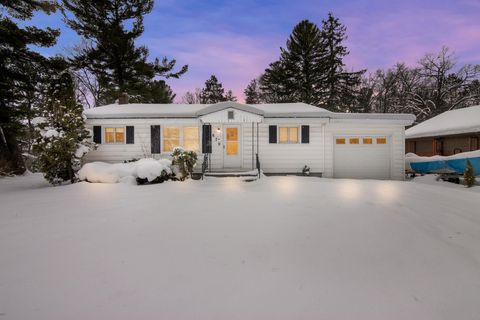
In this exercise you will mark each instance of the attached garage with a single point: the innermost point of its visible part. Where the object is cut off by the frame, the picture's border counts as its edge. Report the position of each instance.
(362, 157)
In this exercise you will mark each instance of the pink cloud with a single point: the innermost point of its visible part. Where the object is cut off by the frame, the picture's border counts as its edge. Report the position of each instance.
(235, 59)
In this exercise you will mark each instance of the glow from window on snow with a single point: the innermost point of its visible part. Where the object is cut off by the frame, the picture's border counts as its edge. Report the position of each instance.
(387, 191)
(232, 185)
(349, 189)
(287, 186)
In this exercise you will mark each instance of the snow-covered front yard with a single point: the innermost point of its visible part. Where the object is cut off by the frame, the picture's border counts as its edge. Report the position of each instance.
(278, 248)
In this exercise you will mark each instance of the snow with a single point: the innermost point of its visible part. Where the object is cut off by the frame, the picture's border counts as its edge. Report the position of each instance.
(150, 168)
(136, 110)
(411, 157)
(103, 172)
(51, 133)
(81, 150)
(277, 248)
(457, 121)
(38, 120)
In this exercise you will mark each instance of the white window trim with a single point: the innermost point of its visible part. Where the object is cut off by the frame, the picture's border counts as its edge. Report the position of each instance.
(104, 129)
(299, 138)
(180, 137)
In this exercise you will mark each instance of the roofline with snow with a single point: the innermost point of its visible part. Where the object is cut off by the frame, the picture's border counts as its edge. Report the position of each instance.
(321, 113)
(227, 105)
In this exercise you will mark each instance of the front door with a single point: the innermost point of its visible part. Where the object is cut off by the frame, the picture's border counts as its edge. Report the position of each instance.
(232, 147)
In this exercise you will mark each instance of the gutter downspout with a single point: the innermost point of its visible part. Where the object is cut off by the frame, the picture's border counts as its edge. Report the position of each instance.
(323, 135)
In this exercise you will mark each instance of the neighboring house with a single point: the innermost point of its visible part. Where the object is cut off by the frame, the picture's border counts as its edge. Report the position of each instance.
(448, 133)
(286, 137)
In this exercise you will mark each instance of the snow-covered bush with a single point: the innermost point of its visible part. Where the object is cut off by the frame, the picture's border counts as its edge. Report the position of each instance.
(153, 171)
(143, 171)
(62, 139)
(185, 160)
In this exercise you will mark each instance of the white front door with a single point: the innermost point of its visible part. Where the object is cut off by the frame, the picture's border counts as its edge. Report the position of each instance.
(232, 147)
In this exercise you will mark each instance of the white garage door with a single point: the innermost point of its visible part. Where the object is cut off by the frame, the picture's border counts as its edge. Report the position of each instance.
(362, 157)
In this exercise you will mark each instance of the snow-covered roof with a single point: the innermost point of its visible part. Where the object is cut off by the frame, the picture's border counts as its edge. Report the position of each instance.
(142, 110)
(272, 110)
(458, 121)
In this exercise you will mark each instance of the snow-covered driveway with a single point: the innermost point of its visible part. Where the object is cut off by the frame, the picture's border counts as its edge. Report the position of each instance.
(279, 248)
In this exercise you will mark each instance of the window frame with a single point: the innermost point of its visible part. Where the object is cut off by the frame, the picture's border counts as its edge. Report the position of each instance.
(367, 138)
(180, 137)
(198, 138)
(355, 138)
(104, 129)
(381, 138)
(299, 138)
(337, 139)
(162, 135)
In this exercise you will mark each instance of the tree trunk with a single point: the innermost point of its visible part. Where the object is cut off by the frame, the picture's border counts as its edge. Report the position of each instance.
(11, 161)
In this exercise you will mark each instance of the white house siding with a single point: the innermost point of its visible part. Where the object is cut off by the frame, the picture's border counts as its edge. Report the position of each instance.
(142, 144)
(291, 158)
(394, 133)
(318, 154)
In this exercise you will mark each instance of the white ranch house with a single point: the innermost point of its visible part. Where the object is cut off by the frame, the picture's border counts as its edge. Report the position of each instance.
(285, 136)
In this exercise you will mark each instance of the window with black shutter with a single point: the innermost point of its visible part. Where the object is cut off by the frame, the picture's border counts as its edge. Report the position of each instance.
(272, 134)
(130, 135)
(155, 139)
(97, 134)
(207, 138)
(305, 134)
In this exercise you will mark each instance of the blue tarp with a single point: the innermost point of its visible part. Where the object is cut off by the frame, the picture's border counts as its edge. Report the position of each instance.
(455, 165)
(459, 165)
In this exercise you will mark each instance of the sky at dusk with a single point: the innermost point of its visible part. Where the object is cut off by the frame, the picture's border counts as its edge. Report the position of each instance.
(236, 40)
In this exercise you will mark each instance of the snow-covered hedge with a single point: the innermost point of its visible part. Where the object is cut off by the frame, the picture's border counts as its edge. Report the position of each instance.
(149, 169)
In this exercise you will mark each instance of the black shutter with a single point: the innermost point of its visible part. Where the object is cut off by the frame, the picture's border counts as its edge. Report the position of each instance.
(97, 134)
(305, 134)
(155, 138)
(272, 134)
(130, 135)
(207, 138)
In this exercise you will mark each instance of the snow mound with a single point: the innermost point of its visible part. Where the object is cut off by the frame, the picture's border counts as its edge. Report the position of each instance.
(150, 168)
(102, 172)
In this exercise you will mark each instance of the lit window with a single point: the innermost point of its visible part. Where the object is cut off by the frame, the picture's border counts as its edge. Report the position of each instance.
(171, 138)
(114, 135)
(354, 141)
(190, 138)
(367, 140)
(381, 140)
(288, 135)
(340, 141)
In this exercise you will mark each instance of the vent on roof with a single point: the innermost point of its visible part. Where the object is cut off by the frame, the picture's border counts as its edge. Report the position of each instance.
(231, 115)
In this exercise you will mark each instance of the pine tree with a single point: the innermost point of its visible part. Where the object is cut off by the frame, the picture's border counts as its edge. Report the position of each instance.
(229, 96)
(276, 86)
(63, 138)
(338, 86)
(311, 69)
(304, 62)
(214, 92)
(253, 94)
(19, 67)
(117, 63)
(156, 91)
(469, 174)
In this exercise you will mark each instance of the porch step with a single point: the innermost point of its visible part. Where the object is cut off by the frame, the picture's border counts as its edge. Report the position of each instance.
(226, 174)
